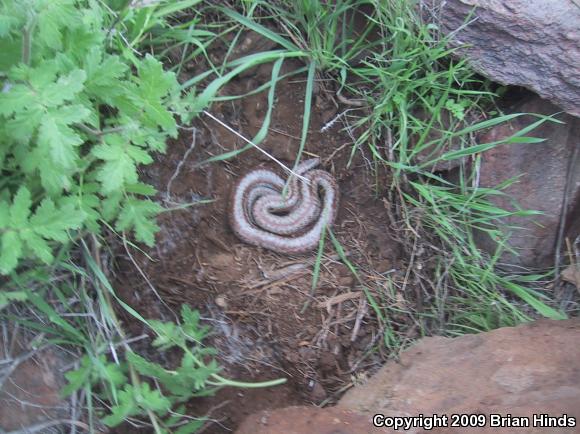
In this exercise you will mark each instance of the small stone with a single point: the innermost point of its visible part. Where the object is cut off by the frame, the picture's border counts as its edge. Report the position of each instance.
(221, 301)
(317, 393)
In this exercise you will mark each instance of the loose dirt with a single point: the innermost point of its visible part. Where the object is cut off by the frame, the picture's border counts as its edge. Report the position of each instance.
(268, 322)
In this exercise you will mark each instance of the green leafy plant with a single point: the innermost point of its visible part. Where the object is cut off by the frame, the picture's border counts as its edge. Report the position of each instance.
(80, 111)
(136, 396)
(27, 234)
(76, 121)
(109, 369)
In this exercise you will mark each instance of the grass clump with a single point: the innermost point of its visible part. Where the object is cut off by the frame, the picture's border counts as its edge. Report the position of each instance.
(426, 111)
(72, 307)
(421, 110)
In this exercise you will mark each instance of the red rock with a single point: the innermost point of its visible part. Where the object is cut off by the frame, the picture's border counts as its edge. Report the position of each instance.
(544, 169)
(524, 370)
(308, 420)
(518, 371)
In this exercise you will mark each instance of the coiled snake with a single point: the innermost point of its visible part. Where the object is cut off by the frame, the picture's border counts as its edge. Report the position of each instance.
(260, 214)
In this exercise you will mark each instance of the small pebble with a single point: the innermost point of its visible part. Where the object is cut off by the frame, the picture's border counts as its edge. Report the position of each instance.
(221, 302)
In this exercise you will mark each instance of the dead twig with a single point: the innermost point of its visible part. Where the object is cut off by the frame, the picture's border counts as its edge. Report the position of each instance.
(361, 313)
(14, 363)
(180, 164)
(328, 303)
(572, 165)
(45, 425)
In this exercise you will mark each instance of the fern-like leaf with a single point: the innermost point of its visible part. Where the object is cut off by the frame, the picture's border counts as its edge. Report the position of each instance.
(139, 215)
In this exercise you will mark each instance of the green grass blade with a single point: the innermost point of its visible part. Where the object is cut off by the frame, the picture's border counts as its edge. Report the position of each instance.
(307, 110)
(258, 28)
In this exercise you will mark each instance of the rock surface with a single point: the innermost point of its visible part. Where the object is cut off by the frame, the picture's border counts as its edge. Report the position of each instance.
(308, 420)
(548, 172)
(533, 368)
(529, 43)
(524, 370)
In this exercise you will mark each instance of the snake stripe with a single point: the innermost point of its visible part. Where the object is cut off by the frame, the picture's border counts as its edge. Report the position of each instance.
(291, 223)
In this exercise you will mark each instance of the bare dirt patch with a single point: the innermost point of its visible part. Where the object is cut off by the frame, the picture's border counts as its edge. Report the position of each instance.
(268, 323)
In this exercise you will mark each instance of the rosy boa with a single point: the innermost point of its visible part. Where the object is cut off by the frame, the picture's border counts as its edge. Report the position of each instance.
(292, 224)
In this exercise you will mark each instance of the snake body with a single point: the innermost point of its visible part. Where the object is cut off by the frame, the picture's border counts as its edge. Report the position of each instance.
(291, 223)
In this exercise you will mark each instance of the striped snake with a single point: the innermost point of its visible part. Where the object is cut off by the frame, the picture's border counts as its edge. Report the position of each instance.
(260, 214)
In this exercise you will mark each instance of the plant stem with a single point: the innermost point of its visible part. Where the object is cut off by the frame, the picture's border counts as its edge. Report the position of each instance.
(26, 44)
(99, 133)
(232, 383)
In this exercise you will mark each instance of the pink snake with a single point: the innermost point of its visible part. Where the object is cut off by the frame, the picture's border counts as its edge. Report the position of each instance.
(292, 223)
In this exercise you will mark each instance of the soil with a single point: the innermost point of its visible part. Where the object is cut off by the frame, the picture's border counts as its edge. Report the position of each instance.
(267, 321)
